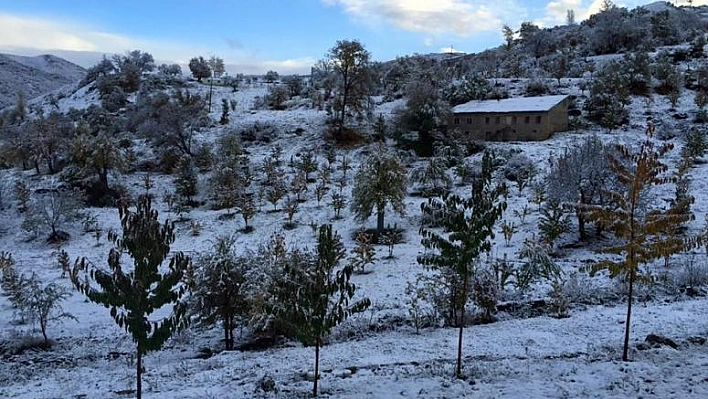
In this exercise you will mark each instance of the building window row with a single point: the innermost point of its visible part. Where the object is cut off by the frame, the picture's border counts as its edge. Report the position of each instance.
(509, 120)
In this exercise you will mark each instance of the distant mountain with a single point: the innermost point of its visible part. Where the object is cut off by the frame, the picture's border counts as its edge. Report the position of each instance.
(34, 76)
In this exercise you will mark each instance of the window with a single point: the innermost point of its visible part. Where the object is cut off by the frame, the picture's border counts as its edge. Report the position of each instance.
(486, 121)
(469, 121)
(457, 121)
(538, 119)
(527, 120)
(507, 120)
(497, 120)
(513, 120)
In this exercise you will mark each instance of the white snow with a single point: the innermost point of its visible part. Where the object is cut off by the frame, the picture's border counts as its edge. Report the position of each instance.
(516, 104)
(375, 354)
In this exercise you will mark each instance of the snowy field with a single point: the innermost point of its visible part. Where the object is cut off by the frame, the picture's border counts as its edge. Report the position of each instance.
(375, 354)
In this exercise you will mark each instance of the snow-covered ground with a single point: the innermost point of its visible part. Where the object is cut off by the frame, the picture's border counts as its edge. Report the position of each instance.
(375, 354)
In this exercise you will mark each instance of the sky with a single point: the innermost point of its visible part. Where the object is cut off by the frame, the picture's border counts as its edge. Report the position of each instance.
(287, 36)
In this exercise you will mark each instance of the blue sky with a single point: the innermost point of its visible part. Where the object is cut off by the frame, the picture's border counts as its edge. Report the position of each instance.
(287, 36)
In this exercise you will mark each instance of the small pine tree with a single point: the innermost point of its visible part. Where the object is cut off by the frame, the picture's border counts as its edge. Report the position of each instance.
(224, 112)
(307, 164)
(10, 280)
(642, 232)
(469, 226)
(315, 298)
(133, 295)
(186, 180)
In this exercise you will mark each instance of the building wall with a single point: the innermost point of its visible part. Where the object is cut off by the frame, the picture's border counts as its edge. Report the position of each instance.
(517, 126)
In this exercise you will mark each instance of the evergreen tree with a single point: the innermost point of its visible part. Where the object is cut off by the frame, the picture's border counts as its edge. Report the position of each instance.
(133, 294)
(468, 227)
(307, 164)
(314, 298)
(200, 68)
(224, 112)
(381, 180)
(186, 180)
(644, 234)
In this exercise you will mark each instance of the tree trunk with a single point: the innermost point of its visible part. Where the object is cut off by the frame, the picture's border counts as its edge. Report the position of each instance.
(345, 94)
(629, 316)
(43, 327)
(465, 276)
(226, 333)
(139, 375)
(317, 366)
(103, 179)
(380, 223)
(581, 225)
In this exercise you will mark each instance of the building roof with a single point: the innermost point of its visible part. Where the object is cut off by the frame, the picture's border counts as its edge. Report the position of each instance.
(517, 104)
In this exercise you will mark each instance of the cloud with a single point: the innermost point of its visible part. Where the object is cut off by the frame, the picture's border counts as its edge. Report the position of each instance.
(459, 17)
(234, 44)
(557, 10)
(47, 34)
(19, 31)
(85, 45)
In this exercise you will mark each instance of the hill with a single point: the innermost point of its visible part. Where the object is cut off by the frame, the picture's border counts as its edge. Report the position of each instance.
(229, 165)
(34, 76)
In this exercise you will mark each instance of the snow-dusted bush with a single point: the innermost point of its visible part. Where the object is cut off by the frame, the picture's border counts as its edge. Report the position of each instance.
(521, 169)
(486, 291)
(692, 273)
(53, 210)
(220, 288)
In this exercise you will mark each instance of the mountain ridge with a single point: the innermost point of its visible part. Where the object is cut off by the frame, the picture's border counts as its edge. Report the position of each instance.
(34, 76)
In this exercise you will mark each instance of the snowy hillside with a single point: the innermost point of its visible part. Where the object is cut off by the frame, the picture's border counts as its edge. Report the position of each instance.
(34, 76)
(248, 171)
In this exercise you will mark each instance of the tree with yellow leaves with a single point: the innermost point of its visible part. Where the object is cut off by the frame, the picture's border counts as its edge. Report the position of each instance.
(643, 233)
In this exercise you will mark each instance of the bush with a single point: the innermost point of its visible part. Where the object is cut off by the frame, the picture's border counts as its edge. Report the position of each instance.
(486, 292)
(537, 87)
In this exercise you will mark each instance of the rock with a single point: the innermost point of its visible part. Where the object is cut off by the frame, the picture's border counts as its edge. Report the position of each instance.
(680, 115)
(345, 373)
(696, 340)
(204, 353)
(658, 341)
(642, 346)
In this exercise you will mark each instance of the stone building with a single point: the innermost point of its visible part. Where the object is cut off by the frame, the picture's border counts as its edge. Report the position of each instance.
(511, 119)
